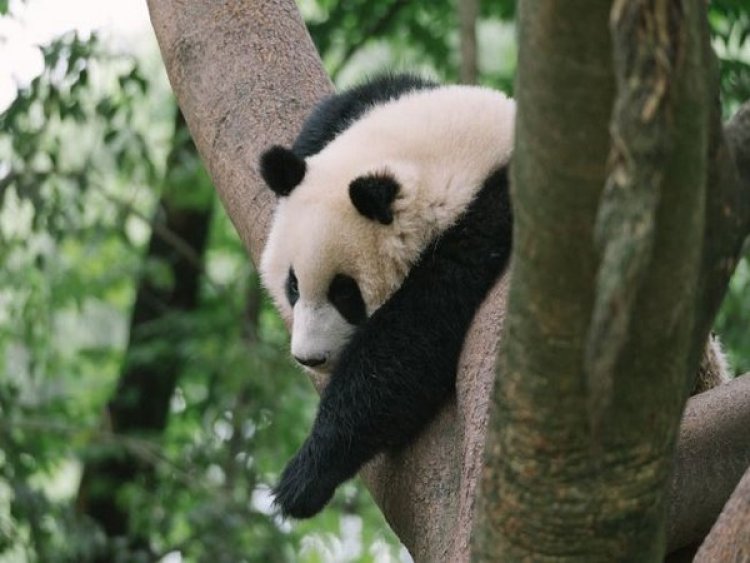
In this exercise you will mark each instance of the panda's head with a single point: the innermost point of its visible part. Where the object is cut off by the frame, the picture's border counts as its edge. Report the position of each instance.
(353, 217)
(342, 240)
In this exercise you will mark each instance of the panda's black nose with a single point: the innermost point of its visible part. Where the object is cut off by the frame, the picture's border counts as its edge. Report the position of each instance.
(311, 362)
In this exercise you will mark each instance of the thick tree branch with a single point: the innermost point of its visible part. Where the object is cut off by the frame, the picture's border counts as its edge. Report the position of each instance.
(729, 539)
(245, 75)
(558, 171)
(548, 490)
(625, 229)
(713, 451)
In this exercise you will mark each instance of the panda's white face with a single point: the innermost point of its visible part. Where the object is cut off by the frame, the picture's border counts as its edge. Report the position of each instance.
(329, 267)
(321, 327)
(352, 219)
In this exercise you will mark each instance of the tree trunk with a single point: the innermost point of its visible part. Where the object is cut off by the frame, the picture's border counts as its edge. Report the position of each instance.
(246, 74)
(140, 405)
(605, 322)
(468, 12)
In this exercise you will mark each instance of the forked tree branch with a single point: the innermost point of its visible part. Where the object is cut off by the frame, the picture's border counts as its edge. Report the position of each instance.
(245, 74)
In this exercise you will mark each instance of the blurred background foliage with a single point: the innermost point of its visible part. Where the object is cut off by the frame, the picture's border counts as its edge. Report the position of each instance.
(147, 400)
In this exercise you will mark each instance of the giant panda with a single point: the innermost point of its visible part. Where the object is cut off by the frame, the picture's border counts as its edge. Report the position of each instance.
(392, 223)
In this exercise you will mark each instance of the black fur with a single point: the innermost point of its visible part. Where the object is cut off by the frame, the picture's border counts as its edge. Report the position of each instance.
(337, 112)
(345, 296)
(400, 366)
(282, 170)
(373, 196)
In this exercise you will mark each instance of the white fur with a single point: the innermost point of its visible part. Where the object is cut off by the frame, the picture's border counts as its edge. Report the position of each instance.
(317, 330)
(440, 145)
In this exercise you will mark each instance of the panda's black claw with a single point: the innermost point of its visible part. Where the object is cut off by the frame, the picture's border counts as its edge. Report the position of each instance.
(301, 491)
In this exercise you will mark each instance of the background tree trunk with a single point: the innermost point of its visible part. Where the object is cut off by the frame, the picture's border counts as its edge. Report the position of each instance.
(140, 405)
(468, 13)
(245, 75)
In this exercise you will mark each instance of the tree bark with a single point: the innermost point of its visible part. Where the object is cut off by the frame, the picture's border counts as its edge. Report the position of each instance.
(468, 12)
(246, 74)
(729, 539)
(713, 451)
(598, 345)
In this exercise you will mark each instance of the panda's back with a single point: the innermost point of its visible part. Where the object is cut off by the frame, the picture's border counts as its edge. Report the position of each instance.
(420, 110)
(335, 113)
(466, 124)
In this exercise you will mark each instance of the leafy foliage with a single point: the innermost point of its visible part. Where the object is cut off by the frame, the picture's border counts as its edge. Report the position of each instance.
(730, 27)
(734, 318)
(67, 263)
(357, 37)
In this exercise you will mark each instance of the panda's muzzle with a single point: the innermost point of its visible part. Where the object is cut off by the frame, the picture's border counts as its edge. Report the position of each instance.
(319, 333)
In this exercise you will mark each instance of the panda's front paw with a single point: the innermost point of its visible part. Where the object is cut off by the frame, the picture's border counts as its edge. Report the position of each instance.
(302, 492)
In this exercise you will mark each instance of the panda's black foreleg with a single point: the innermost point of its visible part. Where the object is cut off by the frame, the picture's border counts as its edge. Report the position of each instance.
(310, 479)
(400, 366)
(375, 400)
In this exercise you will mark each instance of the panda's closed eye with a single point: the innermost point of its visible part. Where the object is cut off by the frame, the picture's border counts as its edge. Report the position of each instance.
(345, 296)
(292, 289)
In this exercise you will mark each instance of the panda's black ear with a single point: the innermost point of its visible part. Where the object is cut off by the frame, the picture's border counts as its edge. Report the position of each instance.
(373, 196)
(282, 170)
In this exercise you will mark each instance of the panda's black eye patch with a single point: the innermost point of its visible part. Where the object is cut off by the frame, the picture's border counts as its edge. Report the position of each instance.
(344, 295)
(292, 289)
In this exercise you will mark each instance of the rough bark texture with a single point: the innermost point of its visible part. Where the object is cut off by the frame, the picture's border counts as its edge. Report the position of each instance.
(550, 491)
(729, 539)
(713, 451)
(645, 48)
(557, 53)
(245, 74)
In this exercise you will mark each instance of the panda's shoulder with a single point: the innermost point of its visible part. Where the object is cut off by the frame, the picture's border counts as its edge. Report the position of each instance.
(335, 113)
